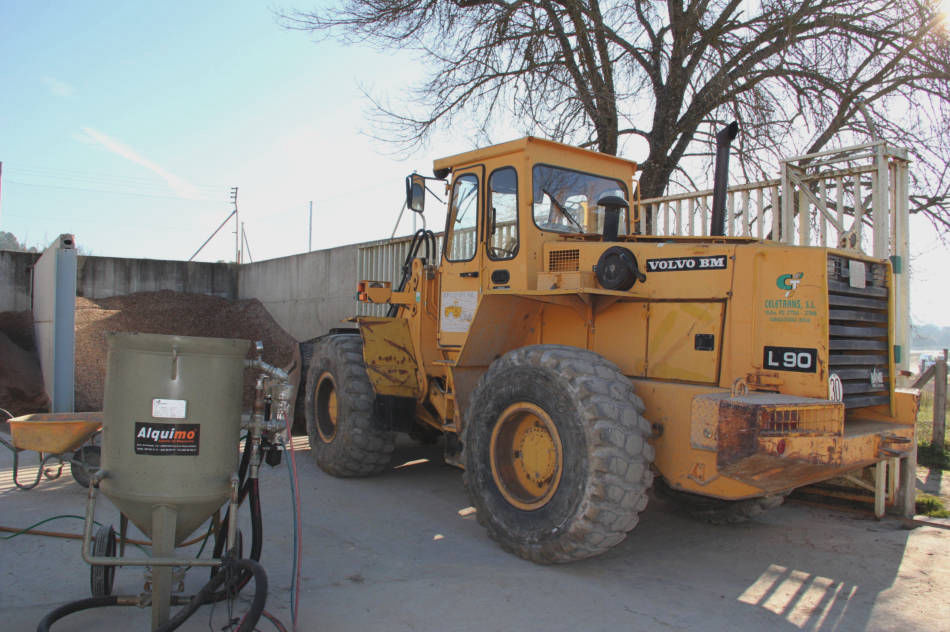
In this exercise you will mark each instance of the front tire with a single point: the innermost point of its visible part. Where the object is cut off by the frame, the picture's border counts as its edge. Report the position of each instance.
(346, 439)
(557, 462)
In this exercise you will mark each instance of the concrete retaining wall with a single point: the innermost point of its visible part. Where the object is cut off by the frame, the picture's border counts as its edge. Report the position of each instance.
(103, 277)
(16, 272)
(306, 294)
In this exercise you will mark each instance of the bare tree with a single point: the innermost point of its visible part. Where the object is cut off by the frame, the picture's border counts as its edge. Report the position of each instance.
(799, 75)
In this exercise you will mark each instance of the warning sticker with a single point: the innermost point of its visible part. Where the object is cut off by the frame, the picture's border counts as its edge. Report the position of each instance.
(458, 310)
(166, 439)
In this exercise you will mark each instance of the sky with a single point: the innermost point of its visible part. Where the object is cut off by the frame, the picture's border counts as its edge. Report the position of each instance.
(127, 124)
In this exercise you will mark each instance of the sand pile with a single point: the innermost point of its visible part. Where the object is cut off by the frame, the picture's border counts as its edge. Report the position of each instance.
(174, 313)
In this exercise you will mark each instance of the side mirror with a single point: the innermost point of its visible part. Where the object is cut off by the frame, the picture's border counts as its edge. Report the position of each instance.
(416, 193)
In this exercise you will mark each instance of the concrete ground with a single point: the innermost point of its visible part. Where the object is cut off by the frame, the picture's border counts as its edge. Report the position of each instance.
(399, 552)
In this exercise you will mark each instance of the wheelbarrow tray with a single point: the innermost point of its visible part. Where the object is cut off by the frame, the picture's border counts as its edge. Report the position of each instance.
(53, 433)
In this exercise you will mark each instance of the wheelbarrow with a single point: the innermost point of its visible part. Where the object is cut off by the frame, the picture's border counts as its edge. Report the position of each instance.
(59, 439)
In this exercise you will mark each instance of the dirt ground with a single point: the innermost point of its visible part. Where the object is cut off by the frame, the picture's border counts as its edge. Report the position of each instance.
(399, 552)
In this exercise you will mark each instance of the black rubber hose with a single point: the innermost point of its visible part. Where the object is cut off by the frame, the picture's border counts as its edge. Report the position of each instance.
(209, 593)
(257, 523)
(243, 487)
(260, 594)
(257, 541)
(75, 606)
(205, 595)
(421, 235)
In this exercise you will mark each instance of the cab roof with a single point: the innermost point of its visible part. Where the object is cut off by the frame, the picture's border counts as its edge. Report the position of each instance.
(529, 145)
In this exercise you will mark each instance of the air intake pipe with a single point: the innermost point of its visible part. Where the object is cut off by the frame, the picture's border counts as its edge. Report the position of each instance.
(717, 223)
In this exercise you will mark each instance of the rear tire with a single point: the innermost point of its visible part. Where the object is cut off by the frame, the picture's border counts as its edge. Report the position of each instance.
(346, 439)
(557, 463)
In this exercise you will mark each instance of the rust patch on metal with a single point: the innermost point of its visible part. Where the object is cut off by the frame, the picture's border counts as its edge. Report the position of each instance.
(737, 434)
(405, 350)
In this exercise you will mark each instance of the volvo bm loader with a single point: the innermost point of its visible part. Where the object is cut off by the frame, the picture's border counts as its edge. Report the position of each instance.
(570, 365)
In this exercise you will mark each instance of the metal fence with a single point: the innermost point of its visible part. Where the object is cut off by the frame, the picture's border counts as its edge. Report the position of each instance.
(855, 198)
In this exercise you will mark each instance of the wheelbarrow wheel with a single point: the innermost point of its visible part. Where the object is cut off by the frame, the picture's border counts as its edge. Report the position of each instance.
(101, 578)
(85, 463)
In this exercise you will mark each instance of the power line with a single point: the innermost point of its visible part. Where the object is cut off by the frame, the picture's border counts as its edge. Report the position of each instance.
(74, 174)
(112, 191)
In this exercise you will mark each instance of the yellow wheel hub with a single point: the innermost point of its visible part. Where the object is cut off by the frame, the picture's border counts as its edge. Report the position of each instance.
(327, 408)
(526, 456)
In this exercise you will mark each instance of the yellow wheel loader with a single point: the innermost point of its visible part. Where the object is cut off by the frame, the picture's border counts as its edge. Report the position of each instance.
(569, 364)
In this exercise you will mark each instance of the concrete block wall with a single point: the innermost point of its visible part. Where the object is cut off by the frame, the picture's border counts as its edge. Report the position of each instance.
(103, 277)
(307, 294)
(16, 273)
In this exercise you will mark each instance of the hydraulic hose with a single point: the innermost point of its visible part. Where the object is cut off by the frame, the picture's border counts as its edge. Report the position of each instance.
(244, 486)
(232, 569)
(75, 606)
(422, 235)
(257, 541)
(209, 593)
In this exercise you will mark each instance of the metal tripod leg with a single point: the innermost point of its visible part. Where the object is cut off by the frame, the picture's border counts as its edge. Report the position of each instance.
(163, 545)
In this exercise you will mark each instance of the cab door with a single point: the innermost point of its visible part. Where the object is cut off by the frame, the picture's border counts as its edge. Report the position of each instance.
(462, 256)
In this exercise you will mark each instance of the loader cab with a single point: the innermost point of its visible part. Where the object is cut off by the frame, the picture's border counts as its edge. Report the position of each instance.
(507, 200)
(505, 203)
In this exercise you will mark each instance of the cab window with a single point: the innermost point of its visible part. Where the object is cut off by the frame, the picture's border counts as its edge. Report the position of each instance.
(463, 219)
(565, 200)
(503, 214)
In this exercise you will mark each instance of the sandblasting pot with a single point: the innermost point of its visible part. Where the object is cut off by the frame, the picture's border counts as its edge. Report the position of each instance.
(171, 426)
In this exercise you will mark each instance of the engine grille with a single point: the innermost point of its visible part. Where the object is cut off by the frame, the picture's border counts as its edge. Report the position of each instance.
(858, 331)
(564, 260)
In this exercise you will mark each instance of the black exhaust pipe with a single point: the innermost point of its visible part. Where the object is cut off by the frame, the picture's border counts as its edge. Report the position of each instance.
(612, 206)
(717, 223)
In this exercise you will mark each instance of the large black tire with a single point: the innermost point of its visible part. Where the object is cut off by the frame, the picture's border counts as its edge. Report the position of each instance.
(557, 463)
(715, 510)
(345, 437)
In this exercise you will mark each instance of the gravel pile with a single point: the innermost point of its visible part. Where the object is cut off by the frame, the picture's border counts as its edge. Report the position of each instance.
(21, 381)
(173, 313)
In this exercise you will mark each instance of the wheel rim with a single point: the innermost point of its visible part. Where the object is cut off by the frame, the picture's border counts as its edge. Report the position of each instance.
(327, 407)
(526, 456)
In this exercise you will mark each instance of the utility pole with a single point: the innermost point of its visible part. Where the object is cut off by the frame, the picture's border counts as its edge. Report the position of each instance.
(237, 226)
(310, 230)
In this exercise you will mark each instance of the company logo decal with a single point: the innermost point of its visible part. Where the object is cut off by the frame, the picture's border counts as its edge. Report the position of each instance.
(789, 282)
(686, 263)
(167, 439)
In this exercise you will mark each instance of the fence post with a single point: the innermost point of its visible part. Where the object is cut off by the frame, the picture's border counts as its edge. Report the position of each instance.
(940, 403)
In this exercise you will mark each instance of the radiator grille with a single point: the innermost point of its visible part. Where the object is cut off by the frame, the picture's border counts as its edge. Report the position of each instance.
(564, 260)
(858, 337)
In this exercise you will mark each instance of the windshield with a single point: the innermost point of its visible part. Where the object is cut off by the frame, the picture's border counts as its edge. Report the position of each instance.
(566, 201)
